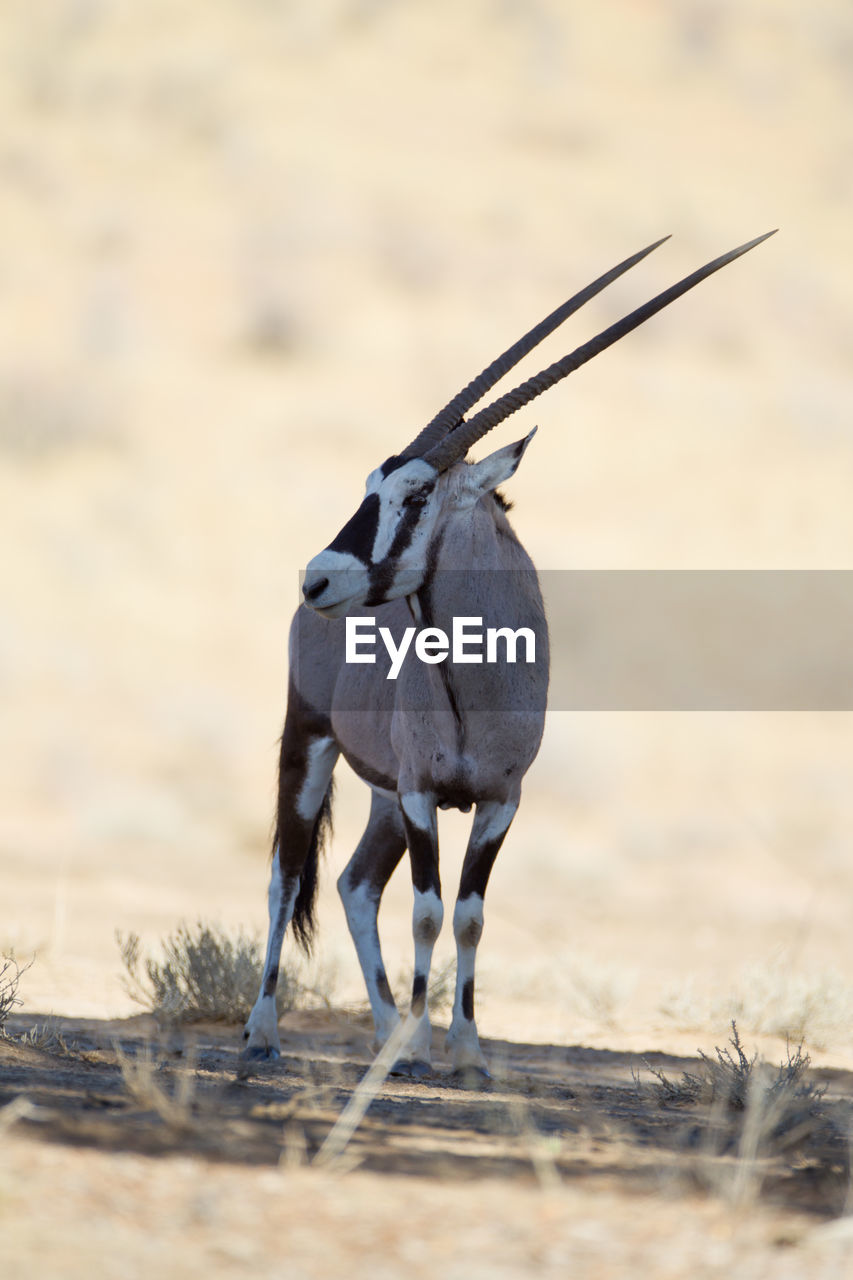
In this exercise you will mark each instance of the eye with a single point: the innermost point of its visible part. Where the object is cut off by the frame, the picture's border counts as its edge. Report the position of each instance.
(416, 499)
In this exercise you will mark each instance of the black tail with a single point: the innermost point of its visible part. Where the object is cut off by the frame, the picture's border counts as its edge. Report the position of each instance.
(303, 910)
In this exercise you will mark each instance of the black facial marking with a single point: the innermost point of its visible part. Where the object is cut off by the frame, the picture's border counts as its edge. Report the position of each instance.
(409, 519)
(391, 464)
(381, 579)
(359, 534)
(419, 988)
(468, 1000)
(382, 574)
(316, 589)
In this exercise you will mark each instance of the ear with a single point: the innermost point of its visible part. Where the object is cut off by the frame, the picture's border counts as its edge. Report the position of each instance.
(484, 476)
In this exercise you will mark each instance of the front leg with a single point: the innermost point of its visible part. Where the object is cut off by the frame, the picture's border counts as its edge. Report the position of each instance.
(419, 820)
(491, 824)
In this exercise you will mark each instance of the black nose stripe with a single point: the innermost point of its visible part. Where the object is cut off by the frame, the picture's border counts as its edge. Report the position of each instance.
(316, 589)
(359, 534)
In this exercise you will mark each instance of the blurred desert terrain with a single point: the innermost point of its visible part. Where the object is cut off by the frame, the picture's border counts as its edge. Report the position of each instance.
(247, 251)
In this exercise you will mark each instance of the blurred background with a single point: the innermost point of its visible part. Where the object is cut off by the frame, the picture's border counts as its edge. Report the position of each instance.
(248, 248)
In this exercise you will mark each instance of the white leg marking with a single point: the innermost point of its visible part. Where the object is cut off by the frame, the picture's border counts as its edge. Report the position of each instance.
(492, 820)
(462, 1037)
(419, 808)
(361, 910)
(427, 919)
(322, 754)
(261, 1031)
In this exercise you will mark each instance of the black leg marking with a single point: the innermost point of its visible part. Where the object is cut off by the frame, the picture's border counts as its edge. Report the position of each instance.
(468, 1000)
(424, 856)
(477, 867)
(419, 993)
(383, 986)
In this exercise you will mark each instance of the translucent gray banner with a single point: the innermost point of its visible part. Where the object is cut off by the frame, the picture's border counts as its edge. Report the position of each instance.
(657, 640)
(700, 640)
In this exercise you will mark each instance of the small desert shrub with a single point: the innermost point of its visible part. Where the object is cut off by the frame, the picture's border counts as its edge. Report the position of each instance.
(756, 1113)
(730, 1079)
(10, 976)
(204, 976)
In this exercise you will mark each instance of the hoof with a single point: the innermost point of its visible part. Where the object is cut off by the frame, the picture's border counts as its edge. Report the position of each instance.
(415, 1070)
(260, 1053)
(472, 1077)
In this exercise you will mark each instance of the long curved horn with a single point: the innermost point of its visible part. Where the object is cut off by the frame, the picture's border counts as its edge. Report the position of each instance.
(453, 412)
(455, 445)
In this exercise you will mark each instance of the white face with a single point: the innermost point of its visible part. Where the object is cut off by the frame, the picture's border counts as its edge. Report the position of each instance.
(380, 553)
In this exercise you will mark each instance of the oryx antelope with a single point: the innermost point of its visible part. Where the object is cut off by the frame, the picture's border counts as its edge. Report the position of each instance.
(429, 543)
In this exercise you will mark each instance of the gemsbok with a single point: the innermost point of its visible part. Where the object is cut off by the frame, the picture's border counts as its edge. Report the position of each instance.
(428, 555)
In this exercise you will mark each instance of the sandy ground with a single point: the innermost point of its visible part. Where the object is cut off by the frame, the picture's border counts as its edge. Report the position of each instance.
(246, 251)
(179, 1158)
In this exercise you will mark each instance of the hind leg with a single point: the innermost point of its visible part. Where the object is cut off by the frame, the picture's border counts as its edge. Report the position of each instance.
(361, 886)
(305, 774)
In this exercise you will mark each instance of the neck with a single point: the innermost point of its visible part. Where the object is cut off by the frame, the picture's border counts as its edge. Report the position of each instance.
(478, 569)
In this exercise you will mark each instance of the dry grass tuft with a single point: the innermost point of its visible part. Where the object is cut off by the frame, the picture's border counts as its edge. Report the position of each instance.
(332, 1152)
(47, 1037)
(140, 1076)
(205, 976)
